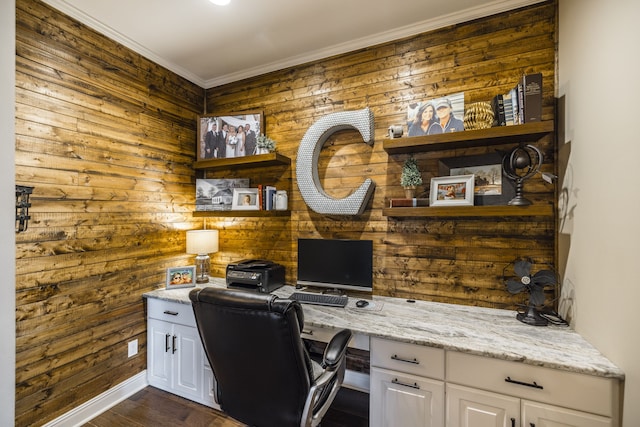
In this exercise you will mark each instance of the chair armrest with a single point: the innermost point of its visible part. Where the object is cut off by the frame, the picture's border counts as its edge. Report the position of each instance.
(336, 349)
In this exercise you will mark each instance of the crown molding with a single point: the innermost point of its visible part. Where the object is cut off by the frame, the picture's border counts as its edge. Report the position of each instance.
(465, 15)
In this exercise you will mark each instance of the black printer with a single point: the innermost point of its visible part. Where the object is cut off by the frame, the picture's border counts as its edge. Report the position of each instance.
(255, 274)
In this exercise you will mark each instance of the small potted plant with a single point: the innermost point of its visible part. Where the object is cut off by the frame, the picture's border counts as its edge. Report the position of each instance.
(264, 144)
(410, 178)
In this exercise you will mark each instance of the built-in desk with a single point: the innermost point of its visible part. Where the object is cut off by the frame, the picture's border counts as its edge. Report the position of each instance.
(478, 341)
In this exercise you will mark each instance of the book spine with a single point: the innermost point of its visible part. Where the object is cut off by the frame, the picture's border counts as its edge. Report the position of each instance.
(260, 197)
(497, 103)
(408, 203)
(270, 192)
(520, 91)
(532, 88)
(508, 109)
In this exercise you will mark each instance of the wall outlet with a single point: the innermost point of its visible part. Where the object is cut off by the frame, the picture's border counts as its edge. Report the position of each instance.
(133, 348)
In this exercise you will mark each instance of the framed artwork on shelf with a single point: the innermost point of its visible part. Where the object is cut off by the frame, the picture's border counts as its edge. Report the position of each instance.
(217, 194)
(245, 199)
(491, 187)
(451, 191)
(181, 277)
(227, 135)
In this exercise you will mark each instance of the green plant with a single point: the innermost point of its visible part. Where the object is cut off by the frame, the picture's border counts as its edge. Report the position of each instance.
(410, 173)
(263, 141)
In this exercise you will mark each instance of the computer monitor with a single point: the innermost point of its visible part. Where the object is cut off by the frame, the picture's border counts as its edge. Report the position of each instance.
(336, 264)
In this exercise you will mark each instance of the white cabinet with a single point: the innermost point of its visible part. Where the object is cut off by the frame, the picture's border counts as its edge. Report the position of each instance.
(407, 387)
(540, 415)
(486, 392)
(467, 407)
(175, 358)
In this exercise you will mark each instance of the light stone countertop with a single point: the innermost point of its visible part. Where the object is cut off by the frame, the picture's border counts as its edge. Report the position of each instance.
(474, 330)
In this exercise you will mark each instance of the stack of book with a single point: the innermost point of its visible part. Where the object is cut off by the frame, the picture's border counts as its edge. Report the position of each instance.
(266, 196)
(408, 203)
(522, 104)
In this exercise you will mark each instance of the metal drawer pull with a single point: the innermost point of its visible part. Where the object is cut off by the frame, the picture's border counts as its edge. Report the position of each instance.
(172, 313)
(414, 385)
(399, 359)
(174, 344)
(166, 342)
(534, 385)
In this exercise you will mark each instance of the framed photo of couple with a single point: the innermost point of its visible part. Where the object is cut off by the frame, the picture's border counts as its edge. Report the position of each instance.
(228, 135)
(435, 116)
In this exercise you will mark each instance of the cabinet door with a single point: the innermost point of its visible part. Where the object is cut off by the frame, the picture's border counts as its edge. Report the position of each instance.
(468, 407)
(159, 335)
(405, 400)
(209, 387)
(540, 415)
(188, 362)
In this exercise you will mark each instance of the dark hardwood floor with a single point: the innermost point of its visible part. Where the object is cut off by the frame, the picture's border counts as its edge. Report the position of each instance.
(157, 408)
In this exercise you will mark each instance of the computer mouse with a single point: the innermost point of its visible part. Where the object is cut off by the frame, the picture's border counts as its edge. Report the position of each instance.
(362, 303)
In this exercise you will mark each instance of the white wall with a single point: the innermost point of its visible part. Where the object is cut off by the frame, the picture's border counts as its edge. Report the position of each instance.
(599, 82)
(7, 213)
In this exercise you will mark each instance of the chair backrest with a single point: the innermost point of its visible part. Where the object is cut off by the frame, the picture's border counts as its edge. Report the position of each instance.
(254, 347)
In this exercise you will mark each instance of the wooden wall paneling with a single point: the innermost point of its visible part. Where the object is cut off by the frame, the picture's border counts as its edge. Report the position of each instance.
(451, 260)
(108, 140)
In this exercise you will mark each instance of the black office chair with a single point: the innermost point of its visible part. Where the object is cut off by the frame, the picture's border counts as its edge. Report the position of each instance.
(264, 376)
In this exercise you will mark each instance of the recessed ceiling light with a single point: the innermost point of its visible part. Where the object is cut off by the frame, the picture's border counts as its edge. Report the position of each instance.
(220, 2)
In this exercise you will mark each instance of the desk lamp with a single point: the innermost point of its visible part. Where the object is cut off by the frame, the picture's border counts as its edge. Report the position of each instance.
(202, 243)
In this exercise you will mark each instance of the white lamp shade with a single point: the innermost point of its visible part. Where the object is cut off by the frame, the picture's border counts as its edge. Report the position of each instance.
(202, 242)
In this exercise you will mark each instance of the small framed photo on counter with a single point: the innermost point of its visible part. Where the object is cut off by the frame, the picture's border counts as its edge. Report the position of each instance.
(181, 277)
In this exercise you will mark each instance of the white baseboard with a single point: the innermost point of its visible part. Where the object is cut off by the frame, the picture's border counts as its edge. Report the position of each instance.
(94, 407)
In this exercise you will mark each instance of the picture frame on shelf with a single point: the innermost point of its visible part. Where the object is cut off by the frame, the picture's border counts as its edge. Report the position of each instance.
(245, 199)
(181, 277)
(491, 187)
(423, 117)
(217, 194)
(452, 191)
(218, 137)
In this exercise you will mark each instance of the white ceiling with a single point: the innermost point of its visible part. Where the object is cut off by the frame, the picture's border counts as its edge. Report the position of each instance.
(212, 45)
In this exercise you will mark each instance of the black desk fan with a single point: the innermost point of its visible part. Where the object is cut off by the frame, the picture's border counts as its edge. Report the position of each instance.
(535, 312)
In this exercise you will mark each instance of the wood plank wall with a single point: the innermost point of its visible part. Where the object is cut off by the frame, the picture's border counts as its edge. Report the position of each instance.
(458, 260)
(106, 137)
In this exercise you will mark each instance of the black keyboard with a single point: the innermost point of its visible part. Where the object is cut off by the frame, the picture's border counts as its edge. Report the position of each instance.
(320, 299)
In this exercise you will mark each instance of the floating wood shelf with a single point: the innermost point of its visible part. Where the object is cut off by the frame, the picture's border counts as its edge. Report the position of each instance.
(469, 211)
(527, 132)
(270, 159)
(242, 213)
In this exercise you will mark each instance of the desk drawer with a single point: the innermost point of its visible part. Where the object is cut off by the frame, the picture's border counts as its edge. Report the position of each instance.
(569, 389)
(408, 358)
(170, 311)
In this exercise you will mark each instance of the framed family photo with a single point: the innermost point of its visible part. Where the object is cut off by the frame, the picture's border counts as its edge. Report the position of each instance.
(491, 187)
(452, 191)
(181, 277)
(245, 199)
(227, 135)
(435, 116)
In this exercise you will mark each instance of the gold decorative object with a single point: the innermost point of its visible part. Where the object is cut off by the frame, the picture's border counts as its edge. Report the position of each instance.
(478, 115)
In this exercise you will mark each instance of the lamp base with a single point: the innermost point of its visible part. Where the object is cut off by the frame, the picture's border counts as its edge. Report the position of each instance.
(202, 268)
